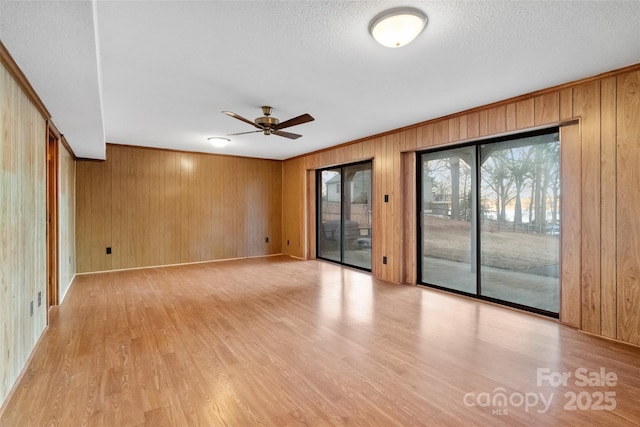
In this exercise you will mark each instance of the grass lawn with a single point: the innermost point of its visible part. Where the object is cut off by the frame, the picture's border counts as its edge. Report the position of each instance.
(449, 239)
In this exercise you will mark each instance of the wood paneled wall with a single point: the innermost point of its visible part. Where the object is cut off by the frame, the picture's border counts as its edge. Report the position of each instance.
(600, 134)
(293, 241)
(158, 207)
(626, 227)
(66, 220)
(23, 228)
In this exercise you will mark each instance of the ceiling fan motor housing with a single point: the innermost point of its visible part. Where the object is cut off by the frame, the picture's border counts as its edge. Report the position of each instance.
(267, 121)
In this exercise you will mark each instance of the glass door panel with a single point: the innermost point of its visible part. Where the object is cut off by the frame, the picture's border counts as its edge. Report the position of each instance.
(356, 215)
(448, 219)
(329, 214)
(520, 244)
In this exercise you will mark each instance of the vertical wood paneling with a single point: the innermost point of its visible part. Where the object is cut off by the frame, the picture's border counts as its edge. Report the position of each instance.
(309, 233)
(345, 154)
(546, 108)
(482, 122)
(293, 200)
(186, 213)
(410, 139)
(115, 205)
(339, 155)
(440, 132)
(386, 220)
(198, 212)
(170, 208)
(162, 207)
(230, 216)
(497, 120)
(93, 222)
(207, 205)
(524, 114)
(387, 226)
(22, 221)
(473, 125)
(409, 220)
(454, 129)
(586, 105)
(395, 188)
(142, 229)
(385, 214)
(463, 127)
(82, 219)
(356, 151)
(566, 104)
(157, 208)
(367, 150)
(608, 208)
(426, 137)
(511, 117)
(571, 225)
(272, 192)
(628, 206)
(378, 237)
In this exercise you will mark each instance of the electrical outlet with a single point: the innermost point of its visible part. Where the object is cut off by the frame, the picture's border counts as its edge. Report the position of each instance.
(31, 309)
(384, 259)
(109, 250)
(39, 298)
(266, 240)
(386, 198)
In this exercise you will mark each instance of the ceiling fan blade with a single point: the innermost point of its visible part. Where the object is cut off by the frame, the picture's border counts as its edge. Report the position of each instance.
(243, 133)
(239, 117)
(286, 134)
(295, 121)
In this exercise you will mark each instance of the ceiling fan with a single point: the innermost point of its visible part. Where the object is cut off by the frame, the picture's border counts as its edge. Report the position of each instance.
(270, 125)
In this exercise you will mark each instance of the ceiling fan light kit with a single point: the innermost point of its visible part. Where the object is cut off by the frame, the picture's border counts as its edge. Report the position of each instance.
(269, 125)
(397, 27)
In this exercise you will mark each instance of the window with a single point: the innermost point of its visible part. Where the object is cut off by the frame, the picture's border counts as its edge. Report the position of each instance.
(343, 230)
(489, 216)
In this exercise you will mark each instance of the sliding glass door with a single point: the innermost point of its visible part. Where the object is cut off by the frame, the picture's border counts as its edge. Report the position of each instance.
(344, 214)
(489, 220)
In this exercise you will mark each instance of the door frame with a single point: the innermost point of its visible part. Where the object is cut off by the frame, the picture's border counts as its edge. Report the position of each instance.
(53, 144)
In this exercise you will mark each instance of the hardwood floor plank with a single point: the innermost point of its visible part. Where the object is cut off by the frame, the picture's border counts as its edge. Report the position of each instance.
(277, 341)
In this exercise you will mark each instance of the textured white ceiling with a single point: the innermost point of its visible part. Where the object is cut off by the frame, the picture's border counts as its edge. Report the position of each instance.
(54, 45)
(168, 68)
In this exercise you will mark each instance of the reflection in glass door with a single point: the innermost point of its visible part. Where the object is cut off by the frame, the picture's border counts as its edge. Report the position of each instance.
(344, 214)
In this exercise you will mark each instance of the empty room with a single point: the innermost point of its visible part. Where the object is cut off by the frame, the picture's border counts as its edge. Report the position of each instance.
(279, 213)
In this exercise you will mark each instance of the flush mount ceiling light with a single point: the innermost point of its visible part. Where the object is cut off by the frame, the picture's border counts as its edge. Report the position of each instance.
(397, 27)
(218, 141)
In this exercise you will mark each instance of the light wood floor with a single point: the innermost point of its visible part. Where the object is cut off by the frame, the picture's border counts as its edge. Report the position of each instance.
(277, 341)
